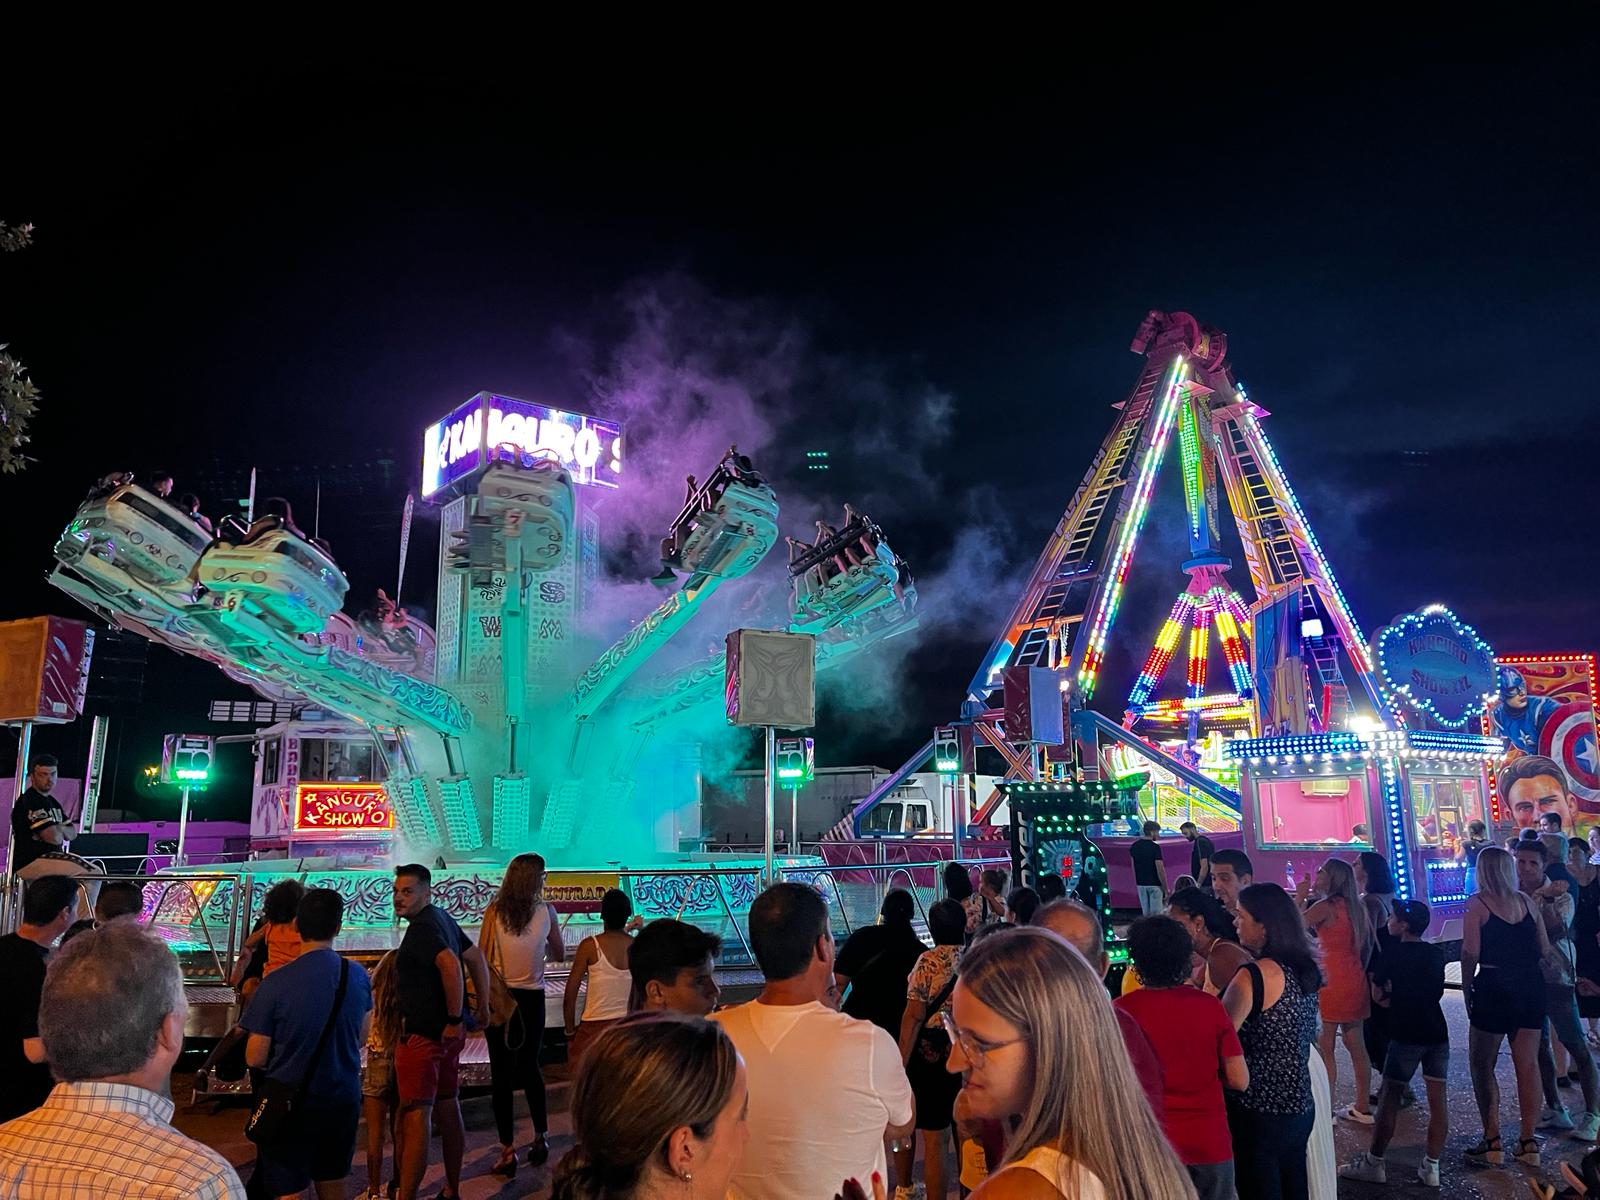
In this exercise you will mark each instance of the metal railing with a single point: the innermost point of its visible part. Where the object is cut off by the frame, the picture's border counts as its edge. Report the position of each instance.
(209, 948)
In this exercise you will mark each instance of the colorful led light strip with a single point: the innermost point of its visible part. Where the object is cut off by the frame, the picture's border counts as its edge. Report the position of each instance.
(1394, 803)
(1139, 505)
(1233, 649)
(1355, 646)
(1199, 647)
(1194, 496)
(1161, 653)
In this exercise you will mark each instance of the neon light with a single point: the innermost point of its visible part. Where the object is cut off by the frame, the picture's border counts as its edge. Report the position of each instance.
(1161, 654)
(1149, 467)
(1194, 496)
(1354, 645)
(1199, 645)
(1394, 803)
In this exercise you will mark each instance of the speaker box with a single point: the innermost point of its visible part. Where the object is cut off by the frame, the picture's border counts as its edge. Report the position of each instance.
(771, 679)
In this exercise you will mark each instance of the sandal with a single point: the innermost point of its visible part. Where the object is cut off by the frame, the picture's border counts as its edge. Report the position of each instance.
(506, 1165)
(1488, 1152)
(1527, 1152)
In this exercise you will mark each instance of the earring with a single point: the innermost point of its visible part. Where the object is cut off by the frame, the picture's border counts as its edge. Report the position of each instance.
(688, 1176)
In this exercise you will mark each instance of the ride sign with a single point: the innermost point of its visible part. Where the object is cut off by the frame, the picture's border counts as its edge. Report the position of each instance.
(1436, 666)
(342, 810)
(455, 447)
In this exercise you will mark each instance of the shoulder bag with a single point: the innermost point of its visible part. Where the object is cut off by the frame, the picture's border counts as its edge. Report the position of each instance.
(502, 1004)
(933, 1045)
(278, 1099)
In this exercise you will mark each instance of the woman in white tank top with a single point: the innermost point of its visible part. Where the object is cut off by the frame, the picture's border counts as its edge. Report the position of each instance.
(600, 967)
(519, 933)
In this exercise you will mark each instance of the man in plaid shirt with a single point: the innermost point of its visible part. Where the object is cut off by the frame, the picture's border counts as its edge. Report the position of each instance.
(112, 1025)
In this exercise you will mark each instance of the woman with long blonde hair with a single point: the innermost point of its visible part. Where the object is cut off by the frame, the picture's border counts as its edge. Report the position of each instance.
(519, 934)
(1339, 920)
(1034, 1036)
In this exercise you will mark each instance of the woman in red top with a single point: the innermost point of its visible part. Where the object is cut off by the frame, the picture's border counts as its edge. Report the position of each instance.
(1199, 1051)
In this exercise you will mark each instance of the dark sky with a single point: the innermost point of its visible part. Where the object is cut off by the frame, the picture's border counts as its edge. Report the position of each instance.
(298, 267)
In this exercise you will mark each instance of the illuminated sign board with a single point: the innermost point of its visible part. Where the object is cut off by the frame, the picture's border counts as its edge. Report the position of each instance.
(458, 445)
(342, 810)
(1434, 664)
(579, 891)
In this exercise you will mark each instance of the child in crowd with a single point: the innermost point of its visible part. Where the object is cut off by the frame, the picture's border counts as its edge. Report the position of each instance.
(378, 1096)
(277, 934)
(1412, 980)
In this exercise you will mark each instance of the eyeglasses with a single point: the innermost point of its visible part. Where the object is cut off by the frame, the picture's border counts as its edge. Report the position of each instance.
(973, 1049)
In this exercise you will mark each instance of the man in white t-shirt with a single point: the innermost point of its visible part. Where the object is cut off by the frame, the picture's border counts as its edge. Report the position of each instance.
(825, 1089)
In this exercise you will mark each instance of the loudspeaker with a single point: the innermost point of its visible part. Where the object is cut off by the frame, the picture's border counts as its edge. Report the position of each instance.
(1034, 712)
(771, 679)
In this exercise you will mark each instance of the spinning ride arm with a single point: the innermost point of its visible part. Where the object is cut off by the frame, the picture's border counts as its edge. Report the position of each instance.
(726, 527)
(850, 590)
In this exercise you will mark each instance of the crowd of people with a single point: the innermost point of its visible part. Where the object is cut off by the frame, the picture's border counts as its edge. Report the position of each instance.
(996, 1053)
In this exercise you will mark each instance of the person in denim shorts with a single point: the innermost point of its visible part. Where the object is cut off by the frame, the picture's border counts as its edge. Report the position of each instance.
(1412, 977)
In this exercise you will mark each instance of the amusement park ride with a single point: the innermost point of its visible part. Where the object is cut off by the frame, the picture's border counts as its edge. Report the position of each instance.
(489, 735)
(499, 733)
(1324, 744)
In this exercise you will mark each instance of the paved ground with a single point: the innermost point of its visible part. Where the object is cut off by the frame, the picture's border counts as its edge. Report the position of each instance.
(222, 1130)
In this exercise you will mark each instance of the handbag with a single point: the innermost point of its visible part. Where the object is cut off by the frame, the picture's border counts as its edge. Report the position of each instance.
(933, 1045)
(502, 1004)
(278, 1100)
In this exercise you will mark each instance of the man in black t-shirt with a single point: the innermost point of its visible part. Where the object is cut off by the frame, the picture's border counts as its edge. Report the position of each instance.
(1201, 848)
(432, 988)
(876, 961)
(49, 906)
(38, 822)
(1149, 872)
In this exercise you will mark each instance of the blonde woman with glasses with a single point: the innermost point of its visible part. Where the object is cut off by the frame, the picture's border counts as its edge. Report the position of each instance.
(1034, 1037)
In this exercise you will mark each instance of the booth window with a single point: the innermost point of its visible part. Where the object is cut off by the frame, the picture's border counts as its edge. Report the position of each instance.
(1313, 810)
(271, 760)
(1441, 806)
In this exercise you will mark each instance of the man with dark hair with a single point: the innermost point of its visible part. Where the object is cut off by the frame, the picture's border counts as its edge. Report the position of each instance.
(1193, 1036)
(118, 898)
(1231, 873)
(285, 1021)
(670, 962)
(1149, 871)
(38, 822)
(111, 1023)
(1052, 887)
(161, 484)
(1080, 925)
(826, 1090)
(1201, 848)
(429, 971)
(48, 907)
(1550, 822)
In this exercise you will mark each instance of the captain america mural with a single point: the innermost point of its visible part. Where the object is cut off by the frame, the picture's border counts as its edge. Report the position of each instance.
(1546, 712)
(1518, 716)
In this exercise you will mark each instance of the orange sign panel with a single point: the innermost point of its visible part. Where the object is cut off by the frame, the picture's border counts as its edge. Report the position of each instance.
(342, 809)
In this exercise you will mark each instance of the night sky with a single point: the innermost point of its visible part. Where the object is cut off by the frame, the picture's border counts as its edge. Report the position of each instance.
(298, 268)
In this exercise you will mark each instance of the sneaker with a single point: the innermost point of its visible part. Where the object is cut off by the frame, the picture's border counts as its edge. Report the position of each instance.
(1428, 1172)
(1554, 1118)
(1527, 1152)
(1487, 1153)
(1587, 1128)
(1365, 1166)
(1355, 1114)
